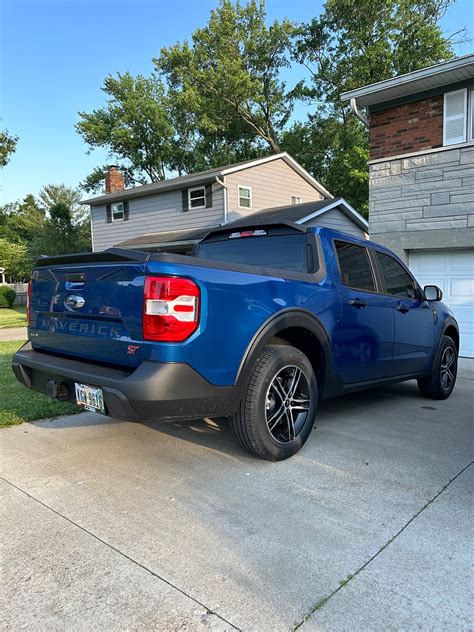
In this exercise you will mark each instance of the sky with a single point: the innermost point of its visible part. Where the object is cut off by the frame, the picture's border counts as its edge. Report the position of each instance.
(56, 53)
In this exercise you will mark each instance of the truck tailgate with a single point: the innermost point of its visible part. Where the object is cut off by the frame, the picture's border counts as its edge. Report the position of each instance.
(75, 305)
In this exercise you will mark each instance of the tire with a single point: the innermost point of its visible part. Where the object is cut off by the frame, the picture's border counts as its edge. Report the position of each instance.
(268, 424)
(441, 382)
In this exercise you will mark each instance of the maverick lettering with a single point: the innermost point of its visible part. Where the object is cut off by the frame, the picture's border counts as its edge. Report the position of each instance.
(84, 329)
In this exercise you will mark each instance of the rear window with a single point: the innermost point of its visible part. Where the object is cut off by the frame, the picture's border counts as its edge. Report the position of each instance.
(286, 252)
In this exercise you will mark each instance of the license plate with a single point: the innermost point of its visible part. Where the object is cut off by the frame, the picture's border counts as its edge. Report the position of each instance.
(90, 397)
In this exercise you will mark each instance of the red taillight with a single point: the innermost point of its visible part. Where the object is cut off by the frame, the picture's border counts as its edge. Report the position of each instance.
(170, 308)
(28, 304)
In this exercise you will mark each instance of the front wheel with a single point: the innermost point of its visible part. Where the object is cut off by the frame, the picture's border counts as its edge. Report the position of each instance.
(441, 382)
(279, 406)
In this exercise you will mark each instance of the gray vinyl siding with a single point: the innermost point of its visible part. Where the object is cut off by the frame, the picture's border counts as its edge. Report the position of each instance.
(272, 183)
(337, 220)
(153, 214)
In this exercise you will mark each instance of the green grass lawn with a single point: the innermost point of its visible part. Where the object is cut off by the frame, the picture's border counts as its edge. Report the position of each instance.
(18, 403)
(14, 317)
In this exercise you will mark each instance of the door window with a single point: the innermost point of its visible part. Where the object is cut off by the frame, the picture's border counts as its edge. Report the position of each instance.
(356, 271)
(397, 280)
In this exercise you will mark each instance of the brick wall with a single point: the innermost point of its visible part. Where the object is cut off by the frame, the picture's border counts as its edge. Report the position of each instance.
(407, 128)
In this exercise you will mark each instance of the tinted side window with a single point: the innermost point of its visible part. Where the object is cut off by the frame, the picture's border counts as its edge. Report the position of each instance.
(355, 266)
(397, 281)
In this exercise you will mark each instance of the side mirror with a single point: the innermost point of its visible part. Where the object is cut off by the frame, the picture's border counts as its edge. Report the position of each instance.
(433, 293)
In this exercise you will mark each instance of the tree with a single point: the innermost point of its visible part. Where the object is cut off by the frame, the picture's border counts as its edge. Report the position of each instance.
(52, 194)
(134, 127)
(62, 234)
(22, 221)
(218, 100)
(8, 144)
(16, 260)
(355, 43)
(359, 42)
(231, 74)
(335, 153)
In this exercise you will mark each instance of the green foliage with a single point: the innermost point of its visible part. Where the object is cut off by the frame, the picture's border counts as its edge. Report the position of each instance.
(16, 260)
(359, 42)
(221, 97)
(7, 297)
(53, 194)
(61, 235)
(354, 43)
(335, 153)
(22, 221)
(58, 225)
(218, 100)
(231, 74)
(135, 126)
(8, 144)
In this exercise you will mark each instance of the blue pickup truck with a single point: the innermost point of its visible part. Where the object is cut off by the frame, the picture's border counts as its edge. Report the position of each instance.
(258, 325)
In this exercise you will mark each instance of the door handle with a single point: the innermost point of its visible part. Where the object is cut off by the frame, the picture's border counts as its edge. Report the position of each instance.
(357, 302)
(403, 308)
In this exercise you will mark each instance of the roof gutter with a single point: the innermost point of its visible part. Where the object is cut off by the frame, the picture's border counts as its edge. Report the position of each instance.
(358, 114)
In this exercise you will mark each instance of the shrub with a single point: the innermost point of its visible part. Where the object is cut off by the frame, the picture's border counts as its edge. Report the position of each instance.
(7, 296)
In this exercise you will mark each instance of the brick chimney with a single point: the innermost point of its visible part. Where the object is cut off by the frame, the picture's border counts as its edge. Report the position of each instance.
(114, 180)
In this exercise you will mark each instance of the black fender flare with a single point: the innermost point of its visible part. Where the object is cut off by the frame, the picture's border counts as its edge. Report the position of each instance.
(449, 322)
(290, 317)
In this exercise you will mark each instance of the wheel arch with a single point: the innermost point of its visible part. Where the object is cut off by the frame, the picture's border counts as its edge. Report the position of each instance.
(299, 328)
(451, 329)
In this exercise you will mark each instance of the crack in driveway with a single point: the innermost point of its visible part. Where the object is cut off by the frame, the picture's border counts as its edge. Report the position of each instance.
(209, 611)
(323, 601)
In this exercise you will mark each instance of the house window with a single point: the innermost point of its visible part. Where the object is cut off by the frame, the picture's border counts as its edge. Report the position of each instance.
(455, 120)
(245, 197)
(296, 199)
(118, 211)
(197, 197)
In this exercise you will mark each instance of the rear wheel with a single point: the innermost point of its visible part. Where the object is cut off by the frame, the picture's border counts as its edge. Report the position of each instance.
(277, 412)
(441, 382)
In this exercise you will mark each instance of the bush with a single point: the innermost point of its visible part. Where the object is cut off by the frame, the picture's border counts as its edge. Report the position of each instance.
(7, 296)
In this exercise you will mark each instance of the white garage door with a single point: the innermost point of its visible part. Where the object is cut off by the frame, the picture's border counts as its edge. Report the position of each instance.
(453, 272)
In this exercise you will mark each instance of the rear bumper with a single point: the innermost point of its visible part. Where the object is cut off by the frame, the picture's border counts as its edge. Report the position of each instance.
(170, 391)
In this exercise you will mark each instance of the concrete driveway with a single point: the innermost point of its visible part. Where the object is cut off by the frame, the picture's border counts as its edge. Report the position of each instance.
(111, 525)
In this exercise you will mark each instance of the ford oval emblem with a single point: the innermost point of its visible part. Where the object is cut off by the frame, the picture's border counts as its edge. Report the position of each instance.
(74, 302)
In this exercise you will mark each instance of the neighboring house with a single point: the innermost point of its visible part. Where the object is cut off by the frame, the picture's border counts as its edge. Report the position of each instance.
(197, 201)
(331, 213)
(421, 177)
